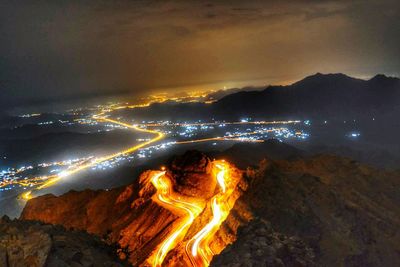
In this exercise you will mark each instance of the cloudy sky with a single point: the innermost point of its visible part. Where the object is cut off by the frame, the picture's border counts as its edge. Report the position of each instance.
(51, 50)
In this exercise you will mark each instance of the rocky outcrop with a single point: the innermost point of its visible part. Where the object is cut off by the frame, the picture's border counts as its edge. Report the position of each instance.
(34, 244)
(192, 175)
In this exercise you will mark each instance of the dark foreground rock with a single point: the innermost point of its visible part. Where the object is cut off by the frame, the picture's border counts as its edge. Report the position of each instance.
(347, 212)
(34, 244)
(258, 244)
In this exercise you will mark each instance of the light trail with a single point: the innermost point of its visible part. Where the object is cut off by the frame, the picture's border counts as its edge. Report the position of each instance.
(197, 249)
(218, 139)
(52, 179)
(235, 137)
(179, 204)
(55, 178)
(27, 195)
(219, 123)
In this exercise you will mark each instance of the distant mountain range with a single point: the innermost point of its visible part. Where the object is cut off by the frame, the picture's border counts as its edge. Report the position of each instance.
(217, 95)
(318, 95)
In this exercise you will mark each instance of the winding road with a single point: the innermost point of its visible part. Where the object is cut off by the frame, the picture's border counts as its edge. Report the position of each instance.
(197, 248)
(190, 208)
(99, 117)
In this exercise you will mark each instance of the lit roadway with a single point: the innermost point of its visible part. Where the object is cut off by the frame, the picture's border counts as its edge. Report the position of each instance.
(55, 178)
(96, 161)
(197, 248)
(187, 208)
(219, 123)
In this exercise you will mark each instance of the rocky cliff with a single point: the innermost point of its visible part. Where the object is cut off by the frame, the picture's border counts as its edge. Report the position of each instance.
(34, 244)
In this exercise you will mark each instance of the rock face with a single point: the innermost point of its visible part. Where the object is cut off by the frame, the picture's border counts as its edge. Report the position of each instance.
(34, 244)
(192, 175)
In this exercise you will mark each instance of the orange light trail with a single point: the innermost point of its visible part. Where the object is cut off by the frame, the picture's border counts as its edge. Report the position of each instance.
(236, 137)
(197, 248)
(27, 195)
(225, 123)
(218, 139)
(55, 178)
(191, 208)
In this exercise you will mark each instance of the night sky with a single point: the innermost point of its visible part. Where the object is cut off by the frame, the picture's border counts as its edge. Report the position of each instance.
(56, 50)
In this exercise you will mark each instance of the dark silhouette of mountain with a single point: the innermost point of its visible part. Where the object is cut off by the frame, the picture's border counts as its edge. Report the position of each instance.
(224, 92)
(319, 95)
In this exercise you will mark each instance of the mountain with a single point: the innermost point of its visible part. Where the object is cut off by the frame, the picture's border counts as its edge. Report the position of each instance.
(288, 211)
(214, 96)
(319, 95)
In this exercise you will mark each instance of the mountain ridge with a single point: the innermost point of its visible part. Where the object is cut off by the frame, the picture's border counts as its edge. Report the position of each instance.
(316, 95)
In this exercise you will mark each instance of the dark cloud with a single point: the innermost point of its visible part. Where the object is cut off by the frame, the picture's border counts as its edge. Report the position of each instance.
(65, 49)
